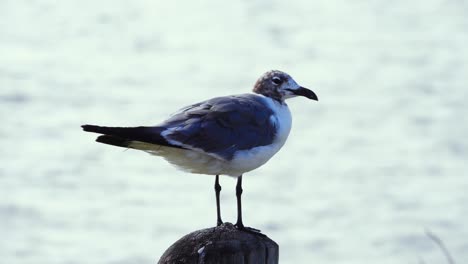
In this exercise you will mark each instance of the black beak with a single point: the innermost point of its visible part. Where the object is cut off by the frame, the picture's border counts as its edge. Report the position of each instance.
(306, 93)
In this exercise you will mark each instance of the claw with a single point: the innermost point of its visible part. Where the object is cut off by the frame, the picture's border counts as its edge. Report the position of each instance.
(250, 230)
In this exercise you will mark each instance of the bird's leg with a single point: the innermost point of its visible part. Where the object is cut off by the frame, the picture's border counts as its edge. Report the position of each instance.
(217, 188)
(239, 224)
(239, 190)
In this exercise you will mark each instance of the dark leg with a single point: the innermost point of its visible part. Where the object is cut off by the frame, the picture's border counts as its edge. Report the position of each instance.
(218, 207)
(239, 224)
(239, 190)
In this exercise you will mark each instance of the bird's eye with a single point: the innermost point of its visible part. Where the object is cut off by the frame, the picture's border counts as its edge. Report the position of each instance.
(276, 80)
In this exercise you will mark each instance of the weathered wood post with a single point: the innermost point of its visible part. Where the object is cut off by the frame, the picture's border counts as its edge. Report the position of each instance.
(222, 245)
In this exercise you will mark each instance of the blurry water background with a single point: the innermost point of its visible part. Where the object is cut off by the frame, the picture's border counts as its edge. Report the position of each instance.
(380, 158)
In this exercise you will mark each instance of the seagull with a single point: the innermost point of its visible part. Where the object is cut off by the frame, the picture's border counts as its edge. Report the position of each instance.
(228, 135)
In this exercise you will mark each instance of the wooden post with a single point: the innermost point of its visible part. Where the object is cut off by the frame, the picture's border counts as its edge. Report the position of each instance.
(222, 245)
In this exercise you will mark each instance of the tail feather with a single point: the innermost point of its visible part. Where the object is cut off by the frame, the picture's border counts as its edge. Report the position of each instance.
(123, 136)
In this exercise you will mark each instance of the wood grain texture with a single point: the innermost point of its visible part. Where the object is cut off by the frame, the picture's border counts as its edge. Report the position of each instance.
(222, 245)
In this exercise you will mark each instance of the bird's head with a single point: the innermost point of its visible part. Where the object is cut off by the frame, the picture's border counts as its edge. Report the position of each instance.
(280, 86)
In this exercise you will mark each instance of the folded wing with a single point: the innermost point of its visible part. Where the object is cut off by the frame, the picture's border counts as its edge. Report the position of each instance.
(219, 127)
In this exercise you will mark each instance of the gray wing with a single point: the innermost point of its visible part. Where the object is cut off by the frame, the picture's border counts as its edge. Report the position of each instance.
(221, 126)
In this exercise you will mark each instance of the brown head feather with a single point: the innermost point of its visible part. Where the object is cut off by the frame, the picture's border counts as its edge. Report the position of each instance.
(265, 84)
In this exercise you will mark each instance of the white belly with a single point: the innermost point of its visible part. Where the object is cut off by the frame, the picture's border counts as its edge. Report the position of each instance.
(184, 159)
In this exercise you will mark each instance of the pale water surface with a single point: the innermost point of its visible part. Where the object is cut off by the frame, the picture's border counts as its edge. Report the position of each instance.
(380, 158)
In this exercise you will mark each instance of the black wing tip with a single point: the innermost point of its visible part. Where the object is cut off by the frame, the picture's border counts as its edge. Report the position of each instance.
(122, 136)
(89, 128)
(113, 140)
(98, 129)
